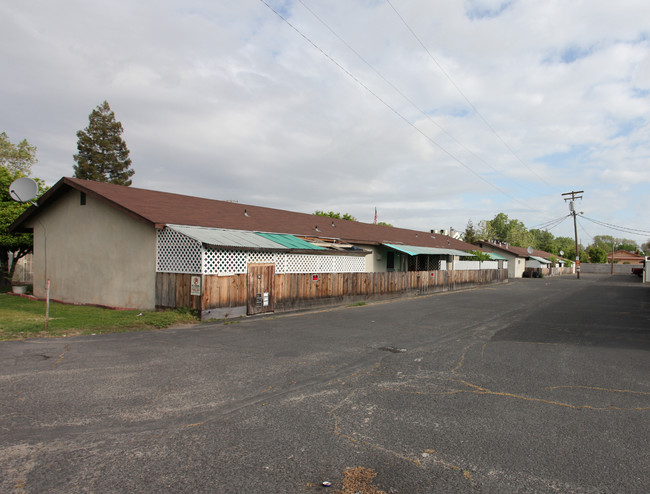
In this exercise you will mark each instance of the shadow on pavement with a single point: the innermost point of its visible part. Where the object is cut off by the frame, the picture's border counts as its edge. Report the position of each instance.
(613, 311)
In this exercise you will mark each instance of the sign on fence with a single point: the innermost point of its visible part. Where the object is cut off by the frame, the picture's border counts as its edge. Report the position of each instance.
(195, 285)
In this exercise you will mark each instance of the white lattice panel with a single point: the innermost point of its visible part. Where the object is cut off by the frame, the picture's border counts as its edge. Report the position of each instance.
(218, 261)
(304, 263)
(177, 253)
(344, 264)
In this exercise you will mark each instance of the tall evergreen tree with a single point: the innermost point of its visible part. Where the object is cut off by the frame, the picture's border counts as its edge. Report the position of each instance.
(470, 235)
(103, 155)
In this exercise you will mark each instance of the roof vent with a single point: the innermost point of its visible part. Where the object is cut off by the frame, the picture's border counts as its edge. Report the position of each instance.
(316, 228)
(245, 213)
(333, 225)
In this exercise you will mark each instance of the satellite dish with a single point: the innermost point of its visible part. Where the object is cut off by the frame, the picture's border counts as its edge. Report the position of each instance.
(529, 250)
(23, 189)
(561, 252)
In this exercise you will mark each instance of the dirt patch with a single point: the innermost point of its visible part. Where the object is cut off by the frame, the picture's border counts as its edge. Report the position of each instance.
(359, 480)
(183, 325)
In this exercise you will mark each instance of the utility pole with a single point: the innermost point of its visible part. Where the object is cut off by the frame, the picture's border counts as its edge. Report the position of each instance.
(574, 195)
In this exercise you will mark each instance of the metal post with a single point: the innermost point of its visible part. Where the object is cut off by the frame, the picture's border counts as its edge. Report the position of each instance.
(47, 305)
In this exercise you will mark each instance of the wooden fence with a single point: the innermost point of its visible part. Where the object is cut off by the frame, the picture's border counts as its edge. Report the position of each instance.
(557, 271)
(226, 296)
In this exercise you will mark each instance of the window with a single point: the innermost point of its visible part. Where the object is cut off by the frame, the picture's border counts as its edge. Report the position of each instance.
(82, 199)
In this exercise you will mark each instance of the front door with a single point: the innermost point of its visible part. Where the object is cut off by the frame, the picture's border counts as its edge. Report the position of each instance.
(260, 288)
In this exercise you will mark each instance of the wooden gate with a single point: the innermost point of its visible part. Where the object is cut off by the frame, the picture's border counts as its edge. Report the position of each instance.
(260, 288)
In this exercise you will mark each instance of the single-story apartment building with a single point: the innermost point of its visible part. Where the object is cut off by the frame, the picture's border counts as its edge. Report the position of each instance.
(117, 246)
(625, 257)
(521, 259)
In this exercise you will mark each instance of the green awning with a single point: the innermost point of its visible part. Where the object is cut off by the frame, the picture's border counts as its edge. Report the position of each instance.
(540, 259)
(497, 257)
(416, 250)
(290, 241)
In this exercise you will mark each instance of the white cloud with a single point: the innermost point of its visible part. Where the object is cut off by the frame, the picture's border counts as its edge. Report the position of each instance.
(224, 99)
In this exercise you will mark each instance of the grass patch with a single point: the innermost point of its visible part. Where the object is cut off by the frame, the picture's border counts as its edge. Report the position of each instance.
(357, 304)
(24, 318)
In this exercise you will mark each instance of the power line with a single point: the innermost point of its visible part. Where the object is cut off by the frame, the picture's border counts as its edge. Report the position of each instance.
(632, 231)
(396, 112)
(401, 93)
(489, 126)
(584, 230)
(555, 222)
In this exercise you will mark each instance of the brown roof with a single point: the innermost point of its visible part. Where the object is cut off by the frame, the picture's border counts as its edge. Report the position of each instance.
(160, 208)
(625, 255)
(519, 251)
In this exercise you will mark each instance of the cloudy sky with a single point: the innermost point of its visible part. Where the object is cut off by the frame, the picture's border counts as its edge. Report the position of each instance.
(433, 111)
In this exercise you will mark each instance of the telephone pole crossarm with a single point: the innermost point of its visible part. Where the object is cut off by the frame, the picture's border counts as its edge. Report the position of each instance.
(573, 195)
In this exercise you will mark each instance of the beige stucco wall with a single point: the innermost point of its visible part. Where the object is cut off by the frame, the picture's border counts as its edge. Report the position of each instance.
(376, 262)
(516, 265)
(94, 254)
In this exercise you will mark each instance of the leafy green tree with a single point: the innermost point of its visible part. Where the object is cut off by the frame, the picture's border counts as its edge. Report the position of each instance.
(628, 246)
(596, 255)
(499, 225)
(608, 242)
(13, 246)
(503, 229)
(566, 245)
(543, 240)
(646, 247)
(103, 155)
(337, 216)
(16, 158)
(480, 255)
(383, 223)
(605, 242)
(486, 231)
(518, 234)
(584, 256)
(16, 161)
(470, 235)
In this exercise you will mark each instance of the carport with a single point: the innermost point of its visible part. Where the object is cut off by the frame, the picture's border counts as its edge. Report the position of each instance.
(427, 258)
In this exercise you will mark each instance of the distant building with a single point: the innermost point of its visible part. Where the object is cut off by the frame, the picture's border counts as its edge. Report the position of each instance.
(625, 257)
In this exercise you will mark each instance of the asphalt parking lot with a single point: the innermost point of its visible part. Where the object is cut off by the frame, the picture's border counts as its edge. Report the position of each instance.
(538, 385)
